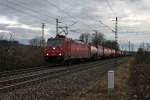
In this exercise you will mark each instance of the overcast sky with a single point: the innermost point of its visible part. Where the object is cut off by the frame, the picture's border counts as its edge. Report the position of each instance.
(24, 18)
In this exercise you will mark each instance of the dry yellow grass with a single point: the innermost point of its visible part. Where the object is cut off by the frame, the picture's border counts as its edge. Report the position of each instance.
(98, 90)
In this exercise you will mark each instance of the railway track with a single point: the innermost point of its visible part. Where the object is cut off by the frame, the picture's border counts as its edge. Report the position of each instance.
(10, 84)
(26, 70)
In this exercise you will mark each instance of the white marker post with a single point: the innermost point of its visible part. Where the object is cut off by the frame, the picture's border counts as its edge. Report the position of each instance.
(110, 83)
(110, 79)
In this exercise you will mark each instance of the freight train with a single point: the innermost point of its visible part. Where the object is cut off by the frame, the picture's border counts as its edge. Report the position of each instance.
(64, 49)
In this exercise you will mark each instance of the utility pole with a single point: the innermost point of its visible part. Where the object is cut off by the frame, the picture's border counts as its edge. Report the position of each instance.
(57, 26)
(129, 47)
(132, 47)
(116, 39)
(66, 33)
(143, 45)
(64, 29)
(43, 26)
(116, 35)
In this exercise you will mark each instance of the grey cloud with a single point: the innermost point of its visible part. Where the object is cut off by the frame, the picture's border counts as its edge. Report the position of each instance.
(85, 12)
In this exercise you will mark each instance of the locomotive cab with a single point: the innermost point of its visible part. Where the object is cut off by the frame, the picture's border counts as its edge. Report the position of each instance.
(54, 50)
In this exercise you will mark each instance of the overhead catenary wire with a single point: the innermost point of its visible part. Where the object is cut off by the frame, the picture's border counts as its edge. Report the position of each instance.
(86, 15)
(76, 19)
(44, 17)
(13, 6)
(110, 7)
(32, 10)
(107, 26)
(49, 16)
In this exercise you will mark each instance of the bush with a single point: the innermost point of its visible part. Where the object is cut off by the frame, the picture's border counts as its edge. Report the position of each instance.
(16, 56)
(139, 77)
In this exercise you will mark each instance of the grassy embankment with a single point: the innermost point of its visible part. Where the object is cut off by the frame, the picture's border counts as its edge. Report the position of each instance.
(98, 90)
(139, 81)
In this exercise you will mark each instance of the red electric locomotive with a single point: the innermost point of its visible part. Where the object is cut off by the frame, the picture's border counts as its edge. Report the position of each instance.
(61, 48)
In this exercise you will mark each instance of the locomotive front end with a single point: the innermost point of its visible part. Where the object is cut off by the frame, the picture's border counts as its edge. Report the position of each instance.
(54, 50)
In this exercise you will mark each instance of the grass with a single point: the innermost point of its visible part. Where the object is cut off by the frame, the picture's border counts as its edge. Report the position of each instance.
(98, 90)
(139, 81)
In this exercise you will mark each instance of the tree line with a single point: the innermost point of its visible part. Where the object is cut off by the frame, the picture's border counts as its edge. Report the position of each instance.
(98, 38)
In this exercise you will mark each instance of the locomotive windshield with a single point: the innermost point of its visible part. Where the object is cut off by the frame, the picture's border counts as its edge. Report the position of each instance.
(54, 42)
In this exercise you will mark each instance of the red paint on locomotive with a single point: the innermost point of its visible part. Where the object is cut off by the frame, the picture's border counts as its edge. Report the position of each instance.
(61, 48)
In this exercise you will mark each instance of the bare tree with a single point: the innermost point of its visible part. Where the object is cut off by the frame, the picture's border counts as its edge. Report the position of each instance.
(11, 34)
(111, 44)
(97, 38)
(85, 37)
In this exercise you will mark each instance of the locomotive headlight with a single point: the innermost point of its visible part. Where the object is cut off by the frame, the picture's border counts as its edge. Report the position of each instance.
(54, 48)
(47, 54)
(59, 54)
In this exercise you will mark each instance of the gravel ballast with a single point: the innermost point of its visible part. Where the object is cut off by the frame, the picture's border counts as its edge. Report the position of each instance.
(58, 88)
